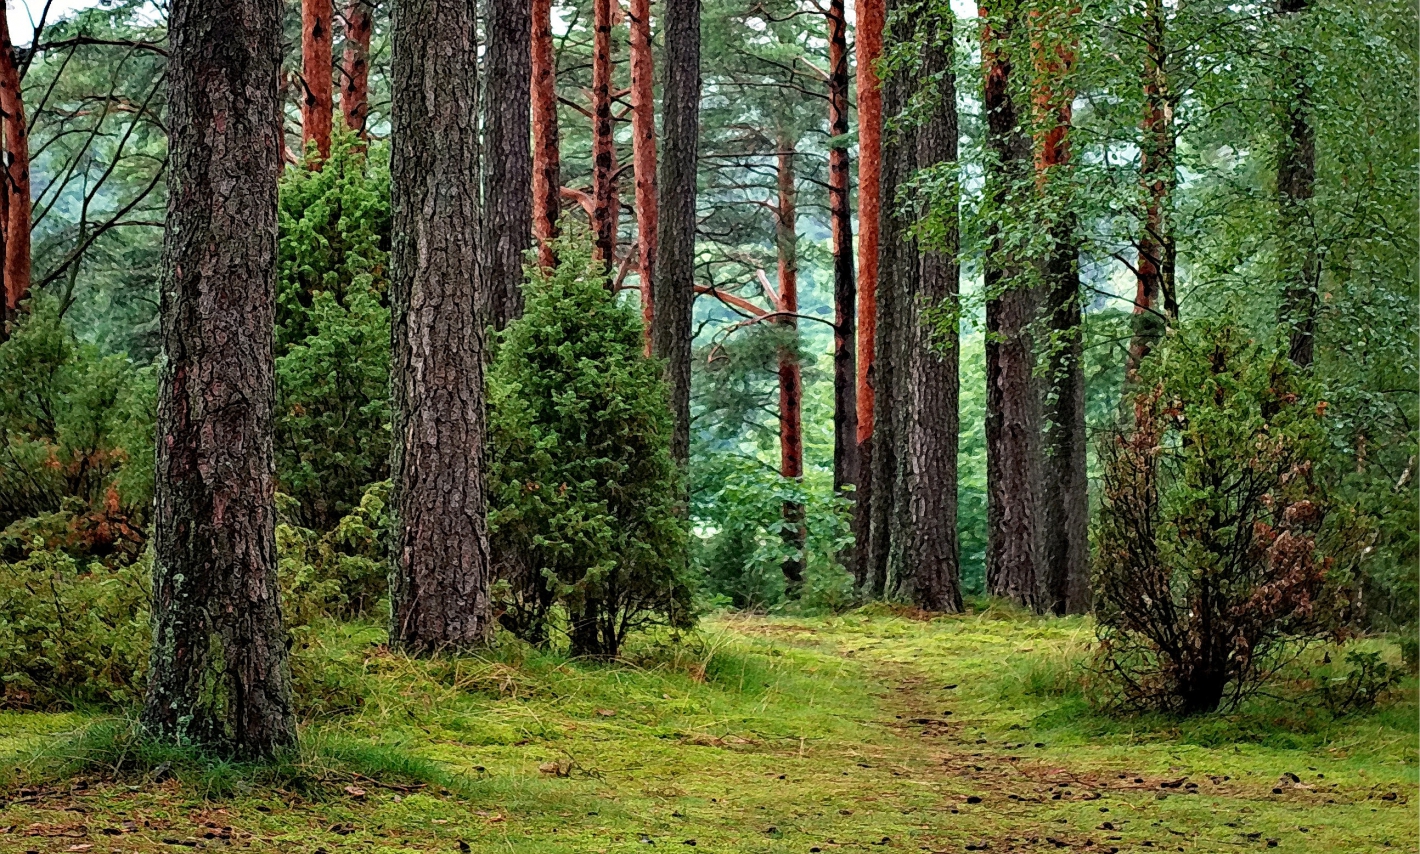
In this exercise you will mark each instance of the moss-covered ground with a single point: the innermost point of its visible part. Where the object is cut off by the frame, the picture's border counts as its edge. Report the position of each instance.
(863, 732)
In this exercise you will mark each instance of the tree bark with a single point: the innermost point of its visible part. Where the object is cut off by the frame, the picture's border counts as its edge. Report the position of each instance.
(318, 105)
(868, 42)
(1155, 265)
(673, 282)
(1064, 505)
(219, 673)
(508, 175)
(643, 153)
(355, 65)
(17, 147)
(547, 162)
(1013, 422)
(933, 580)
(603, 139)
(440, 587)
(791, 391)
(1296, 180)
(845, 287)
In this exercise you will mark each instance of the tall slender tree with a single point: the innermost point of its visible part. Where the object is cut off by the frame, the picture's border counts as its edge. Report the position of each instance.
(933, 561)
(868, 42)
(508, 175)
(1013, 422)
(643, 153)
(1296, 179)
(318, 98)
(440, 583)
(547, 168)
(845, 285)
(791, 386)
(673, 282)
(604, 197)
(219, 673)
(17, 180)
(1064, 502)
(355, 66)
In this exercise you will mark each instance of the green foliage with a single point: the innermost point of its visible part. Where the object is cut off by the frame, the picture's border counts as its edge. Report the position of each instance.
(1217, 546)
(72, 633)
(76, 431)
(341, 573)
(1361, 687)
(583, 492)
(333, 334)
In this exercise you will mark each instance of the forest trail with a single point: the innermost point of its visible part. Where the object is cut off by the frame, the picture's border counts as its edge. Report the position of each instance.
(868, 732)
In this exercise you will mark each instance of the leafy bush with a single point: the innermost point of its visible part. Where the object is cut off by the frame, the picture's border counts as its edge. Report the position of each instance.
(583, 492)
(1361, 687)
(1216, 546)
(76, 429)
(72, 633)
(333, 334)
(341, 573)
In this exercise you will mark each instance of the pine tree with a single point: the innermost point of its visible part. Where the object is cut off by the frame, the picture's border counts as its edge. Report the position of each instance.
(219, 673)
(355, 66)
(507, 192)
(317, 101)
(16, 204)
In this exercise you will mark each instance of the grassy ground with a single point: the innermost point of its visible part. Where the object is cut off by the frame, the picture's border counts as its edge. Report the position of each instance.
(864, 732)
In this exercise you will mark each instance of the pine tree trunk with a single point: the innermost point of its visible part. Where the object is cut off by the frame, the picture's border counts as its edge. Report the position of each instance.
(674, 277)
(508, 174)
(1296, 180)
(868, 43)
(603, 139)
(318, 105)
(1013, 412)
(17, 147)
(791, 391)
(845, 287)
(643, 153)
(547, 162)
(933, 581)
(897, 283)
(1155, 265)
(355, 65)
(440, 588)
(219, 673)
(1064, 506)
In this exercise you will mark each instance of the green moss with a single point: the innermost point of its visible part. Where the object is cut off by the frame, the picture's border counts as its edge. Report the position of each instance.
(755, 734)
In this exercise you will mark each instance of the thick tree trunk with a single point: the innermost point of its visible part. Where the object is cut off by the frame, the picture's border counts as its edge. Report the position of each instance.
(219, 674)
(17, 149)
(643, 153)
(1013, 422)
(791, 391)
(355, 66)
(547, 160)
(439, 592)
(845, 287)
(1064, 503)
(1296, 180)
(603, 139)
(508, 171)
(933, 579)
(674, 276)
(318, 105)
(869, 46)
(1155, 265)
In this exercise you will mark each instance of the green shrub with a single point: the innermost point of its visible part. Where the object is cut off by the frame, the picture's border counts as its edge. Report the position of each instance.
(1361, 687)
(583, 492)
(72, 633)
(333, 334)
(1217, 546)
(77, 433)
(341, 573)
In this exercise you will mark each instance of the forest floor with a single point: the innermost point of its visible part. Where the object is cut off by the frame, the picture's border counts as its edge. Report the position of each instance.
(864, 732)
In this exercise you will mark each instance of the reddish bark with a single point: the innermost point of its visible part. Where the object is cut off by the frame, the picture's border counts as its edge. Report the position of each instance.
(547, 166)
(1155, 267)
(791, 392)
(355, 65)
(317, 107)
(603, 142)
(845, 291)
(869, 47)
(17, 201)
(643, 153)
